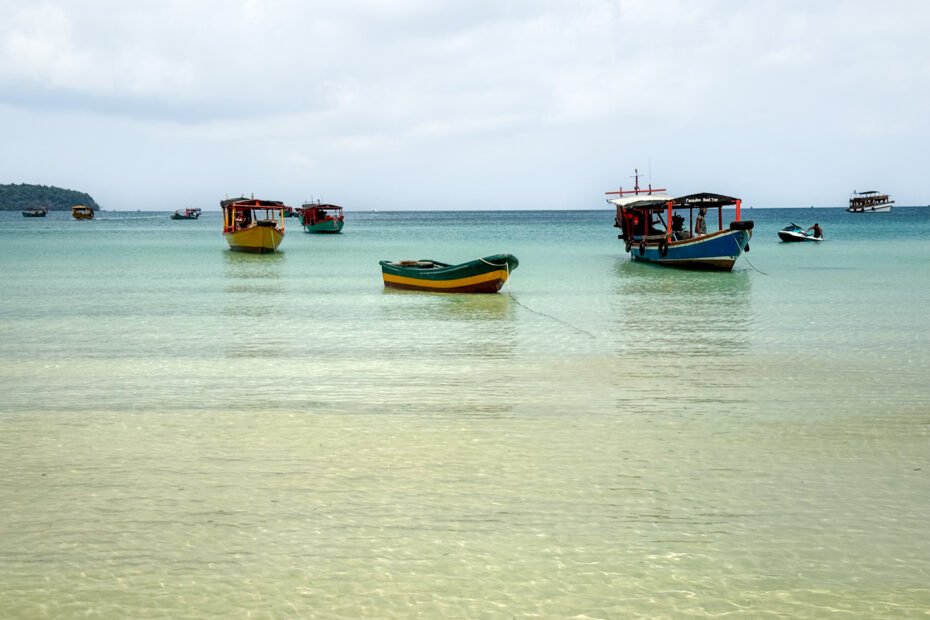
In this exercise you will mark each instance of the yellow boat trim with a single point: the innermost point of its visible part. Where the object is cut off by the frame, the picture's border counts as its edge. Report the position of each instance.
(258, 237)
(479, 279)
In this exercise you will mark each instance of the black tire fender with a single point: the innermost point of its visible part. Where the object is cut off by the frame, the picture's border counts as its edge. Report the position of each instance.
(663, 248)
(642, 248)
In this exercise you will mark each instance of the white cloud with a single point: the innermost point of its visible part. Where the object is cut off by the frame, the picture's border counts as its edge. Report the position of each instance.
(563, 97)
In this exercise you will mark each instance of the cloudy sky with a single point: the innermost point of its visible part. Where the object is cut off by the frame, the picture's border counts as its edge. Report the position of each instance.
(499, 104)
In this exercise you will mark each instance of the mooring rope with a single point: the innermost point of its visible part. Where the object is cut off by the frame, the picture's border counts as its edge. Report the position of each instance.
(745, 255)
(509, 292)
(753, 266)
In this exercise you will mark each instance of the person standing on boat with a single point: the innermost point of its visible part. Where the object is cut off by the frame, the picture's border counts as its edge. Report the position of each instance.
(818, 231)
(700, 226)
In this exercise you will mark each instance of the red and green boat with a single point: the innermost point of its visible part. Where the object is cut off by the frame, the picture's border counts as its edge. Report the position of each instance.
(482, 275)
(321, 218)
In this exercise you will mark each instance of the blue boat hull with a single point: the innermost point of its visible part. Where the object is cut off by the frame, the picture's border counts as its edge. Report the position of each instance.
(717, 251)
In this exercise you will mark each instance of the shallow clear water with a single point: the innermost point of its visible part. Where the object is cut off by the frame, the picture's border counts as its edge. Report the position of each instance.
(187, 432)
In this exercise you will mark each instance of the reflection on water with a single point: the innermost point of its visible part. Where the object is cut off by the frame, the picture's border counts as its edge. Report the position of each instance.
(248, 265)
(254, 298)
(457, 306)
(679, 312)
(454, 325)
(682, 339)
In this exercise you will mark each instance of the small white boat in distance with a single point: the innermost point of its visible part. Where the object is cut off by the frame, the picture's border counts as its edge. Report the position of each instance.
(869, 202)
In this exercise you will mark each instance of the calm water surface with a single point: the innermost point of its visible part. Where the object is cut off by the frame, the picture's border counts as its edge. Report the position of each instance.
(187, 432)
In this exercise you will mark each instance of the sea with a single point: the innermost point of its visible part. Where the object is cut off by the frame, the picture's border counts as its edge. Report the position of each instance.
(190, 432)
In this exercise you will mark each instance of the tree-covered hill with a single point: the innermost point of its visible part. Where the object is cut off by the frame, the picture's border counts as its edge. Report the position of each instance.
(15, 197)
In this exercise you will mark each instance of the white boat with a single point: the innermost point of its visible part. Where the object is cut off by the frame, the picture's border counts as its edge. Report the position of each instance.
(869, 202)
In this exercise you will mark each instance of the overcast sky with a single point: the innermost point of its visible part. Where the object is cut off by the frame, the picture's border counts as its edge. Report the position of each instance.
(425, 104)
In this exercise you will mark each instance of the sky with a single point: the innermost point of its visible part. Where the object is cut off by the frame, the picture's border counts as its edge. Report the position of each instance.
(498, 104)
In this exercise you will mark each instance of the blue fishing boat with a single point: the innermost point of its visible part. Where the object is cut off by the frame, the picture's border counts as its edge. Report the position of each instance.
(652, 225)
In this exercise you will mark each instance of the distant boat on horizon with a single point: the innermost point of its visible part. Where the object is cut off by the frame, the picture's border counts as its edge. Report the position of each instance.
(871, 201)
(80, 212)
(186, 214)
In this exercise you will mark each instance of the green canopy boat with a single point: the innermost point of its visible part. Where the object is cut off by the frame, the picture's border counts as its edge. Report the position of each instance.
(483, 275)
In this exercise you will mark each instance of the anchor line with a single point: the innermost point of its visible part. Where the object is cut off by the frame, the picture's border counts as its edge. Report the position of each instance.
(739, 249)
(525, 307)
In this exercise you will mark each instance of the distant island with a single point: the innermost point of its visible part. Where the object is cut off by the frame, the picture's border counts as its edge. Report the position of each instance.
(16, 197)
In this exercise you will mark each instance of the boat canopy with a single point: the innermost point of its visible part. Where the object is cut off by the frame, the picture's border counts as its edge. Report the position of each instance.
(705, 199)
(642, 201)
(321, 206)
(252, 203)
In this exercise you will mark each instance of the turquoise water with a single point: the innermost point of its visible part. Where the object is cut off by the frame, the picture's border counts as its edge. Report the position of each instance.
(187, 432)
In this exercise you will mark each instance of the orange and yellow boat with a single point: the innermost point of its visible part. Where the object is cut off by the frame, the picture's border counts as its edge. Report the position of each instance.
(80, 212)
(253, 225)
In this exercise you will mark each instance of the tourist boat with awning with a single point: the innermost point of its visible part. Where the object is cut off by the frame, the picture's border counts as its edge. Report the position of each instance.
(871, 201)
(482, 275)
(321, 218)
(253, 225)
(652, 225)
(80, 212)
(186, 214)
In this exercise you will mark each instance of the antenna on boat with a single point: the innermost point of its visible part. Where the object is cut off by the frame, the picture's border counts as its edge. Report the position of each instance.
(636, 190)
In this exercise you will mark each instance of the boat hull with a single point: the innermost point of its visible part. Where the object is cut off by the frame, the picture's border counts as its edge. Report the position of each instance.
(329, 226)
(255, 239)
(33, 213)
(717, 251)
(792, 237)
(794, 233)
(484, 275)
(886, 208)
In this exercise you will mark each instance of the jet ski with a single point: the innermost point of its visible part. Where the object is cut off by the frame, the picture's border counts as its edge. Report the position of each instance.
(793, 232)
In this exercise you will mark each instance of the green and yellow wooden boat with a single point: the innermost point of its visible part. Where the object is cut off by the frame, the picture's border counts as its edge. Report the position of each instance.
(483, 275)
(253, 225)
